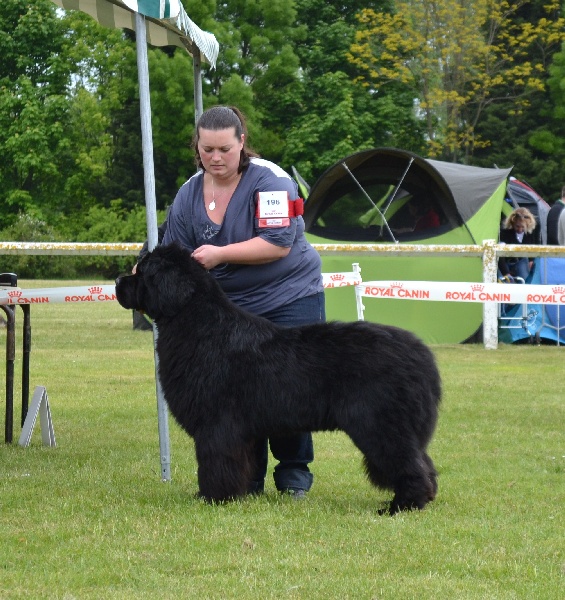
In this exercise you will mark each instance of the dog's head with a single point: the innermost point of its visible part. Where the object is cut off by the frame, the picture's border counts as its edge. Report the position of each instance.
(164, 282)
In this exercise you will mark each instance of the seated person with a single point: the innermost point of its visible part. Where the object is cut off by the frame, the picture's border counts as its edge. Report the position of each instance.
(423, 216)
(517, 229)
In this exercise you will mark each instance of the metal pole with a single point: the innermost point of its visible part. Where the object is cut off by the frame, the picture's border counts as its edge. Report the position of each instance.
(151, 216)
(197, 69)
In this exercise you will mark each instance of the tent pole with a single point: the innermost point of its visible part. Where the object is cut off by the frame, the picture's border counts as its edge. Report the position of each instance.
(151, 217)
(393, 196)
(197, 69)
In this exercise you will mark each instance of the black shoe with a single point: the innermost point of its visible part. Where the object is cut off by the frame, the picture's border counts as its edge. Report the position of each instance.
(296, 493)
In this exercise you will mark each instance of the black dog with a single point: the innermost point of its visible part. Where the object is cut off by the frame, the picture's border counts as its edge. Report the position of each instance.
(230, 378)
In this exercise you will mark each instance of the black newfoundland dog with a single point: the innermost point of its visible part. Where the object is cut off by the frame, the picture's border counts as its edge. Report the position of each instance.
(230, 377)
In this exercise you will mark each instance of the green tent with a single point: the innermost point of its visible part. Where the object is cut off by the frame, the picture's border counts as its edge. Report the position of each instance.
(387, 195)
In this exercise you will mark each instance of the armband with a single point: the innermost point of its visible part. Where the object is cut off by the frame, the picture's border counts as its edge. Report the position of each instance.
(275, 209)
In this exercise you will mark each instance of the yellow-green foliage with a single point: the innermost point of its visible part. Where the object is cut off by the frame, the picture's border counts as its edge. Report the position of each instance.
(455, 56)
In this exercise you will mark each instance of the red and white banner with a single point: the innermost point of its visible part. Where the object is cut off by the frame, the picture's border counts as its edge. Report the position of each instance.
(439, 291)
(90, 293)
(446, 291)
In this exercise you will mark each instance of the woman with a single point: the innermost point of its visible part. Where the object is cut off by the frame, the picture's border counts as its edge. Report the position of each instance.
(240, 216)
(517, 229)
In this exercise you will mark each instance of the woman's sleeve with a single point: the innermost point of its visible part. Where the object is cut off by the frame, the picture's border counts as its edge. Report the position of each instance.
(177, 228)
(280, 236)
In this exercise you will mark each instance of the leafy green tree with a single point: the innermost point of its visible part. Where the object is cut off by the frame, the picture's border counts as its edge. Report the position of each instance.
(257, 58)
(172, 107)
(525, 138)
(34, 123)
(338, 116)
(106, 105)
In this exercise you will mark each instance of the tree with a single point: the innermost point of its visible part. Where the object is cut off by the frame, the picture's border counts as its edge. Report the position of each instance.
(34, 123)
(547, 140)
(338, 116)
(106, 103)
(257, 41)
(457, 58)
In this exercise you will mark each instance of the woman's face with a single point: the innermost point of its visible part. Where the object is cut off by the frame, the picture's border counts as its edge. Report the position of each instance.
(519, 225)
(220, 151)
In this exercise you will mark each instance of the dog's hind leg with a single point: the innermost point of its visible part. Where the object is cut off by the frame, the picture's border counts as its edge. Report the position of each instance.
(400, 467)
(413, 488)
(432, 474)
(224, 467)
(413, 483)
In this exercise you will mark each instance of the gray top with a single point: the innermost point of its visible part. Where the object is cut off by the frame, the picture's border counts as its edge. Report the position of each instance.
(256, 288)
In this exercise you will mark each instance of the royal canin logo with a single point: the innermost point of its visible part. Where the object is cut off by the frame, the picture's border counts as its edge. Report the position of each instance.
(477, 287)
(337, 277)
(95, 289)
(397, 284)
(15, 294)
(558, 289)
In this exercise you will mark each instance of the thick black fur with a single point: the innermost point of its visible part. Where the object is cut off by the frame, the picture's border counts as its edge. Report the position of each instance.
(230, 377)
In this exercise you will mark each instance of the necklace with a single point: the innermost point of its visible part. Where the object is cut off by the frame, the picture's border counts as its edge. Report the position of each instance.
(212, 204)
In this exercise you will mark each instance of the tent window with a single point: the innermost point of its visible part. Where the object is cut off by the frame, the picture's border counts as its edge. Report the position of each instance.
(350, 215)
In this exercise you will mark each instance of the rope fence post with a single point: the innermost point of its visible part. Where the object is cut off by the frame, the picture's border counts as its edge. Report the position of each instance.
(490, 309)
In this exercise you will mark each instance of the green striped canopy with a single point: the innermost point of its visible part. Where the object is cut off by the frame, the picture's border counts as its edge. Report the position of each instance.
(174, 30)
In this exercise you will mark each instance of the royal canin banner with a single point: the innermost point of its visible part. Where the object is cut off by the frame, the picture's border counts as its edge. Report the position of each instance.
(439, 291)
(333, 280)
(90, 293)
(463, 292)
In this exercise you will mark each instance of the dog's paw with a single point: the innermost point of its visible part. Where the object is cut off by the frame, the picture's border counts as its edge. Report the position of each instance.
(210, 500)
(200, 496)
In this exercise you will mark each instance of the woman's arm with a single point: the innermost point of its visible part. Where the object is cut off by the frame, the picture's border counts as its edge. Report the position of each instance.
(255, 251)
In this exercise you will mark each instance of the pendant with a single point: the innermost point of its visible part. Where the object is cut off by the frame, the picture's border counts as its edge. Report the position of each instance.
(212, 205)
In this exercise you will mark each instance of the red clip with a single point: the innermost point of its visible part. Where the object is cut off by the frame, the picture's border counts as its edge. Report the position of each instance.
(296, 207)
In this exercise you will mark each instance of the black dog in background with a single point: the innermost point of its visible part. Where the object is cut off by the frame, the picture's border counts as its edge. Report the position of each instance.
(230, 377)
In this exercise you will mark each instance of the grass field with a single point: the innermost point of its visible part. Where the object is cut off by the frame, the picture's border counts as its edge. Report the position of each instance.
(90, 519)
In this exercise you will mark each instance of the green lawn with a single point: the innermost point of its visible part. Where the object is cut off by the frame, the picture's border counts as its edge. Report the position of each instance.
(91, 519)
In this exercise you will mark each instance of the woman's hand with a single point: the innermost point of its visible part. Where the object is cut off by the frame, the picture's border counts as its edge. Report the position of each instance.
(209, 256)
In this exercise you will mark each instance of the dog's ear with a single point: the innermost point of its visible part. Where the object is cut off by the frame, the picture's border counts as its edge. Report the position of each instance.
(166, 287)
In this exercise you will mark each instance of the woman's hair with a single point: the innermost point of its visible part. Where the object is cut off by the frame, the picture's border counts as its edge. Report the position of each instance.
(223, 117)
(525, 215)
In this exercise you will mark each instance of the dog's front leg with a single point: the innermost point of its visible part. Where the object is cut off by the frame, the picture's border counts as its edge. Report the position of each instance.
(225, 464)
